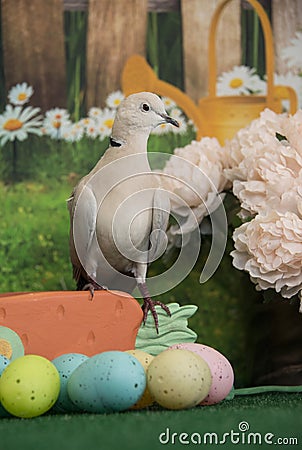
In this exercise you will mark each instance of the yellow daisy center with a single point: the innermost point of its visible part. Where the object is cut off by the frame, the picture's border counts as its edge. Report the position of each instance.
(22, 96)
(117, 101)
(13, 125)
(108, 123)
(236, 83)
(56, 124)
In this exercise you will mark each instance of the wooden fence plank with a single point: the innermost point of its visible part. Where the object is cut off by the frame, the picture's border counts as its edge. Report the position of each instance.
(33, 48)
(153, 5)
(286, 20)
(196, 18)
(116, 30)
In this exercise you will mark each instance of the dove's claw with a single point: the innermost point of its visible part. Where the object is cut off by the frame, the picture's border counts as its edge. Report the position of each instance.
(149, 305)
(93, 286)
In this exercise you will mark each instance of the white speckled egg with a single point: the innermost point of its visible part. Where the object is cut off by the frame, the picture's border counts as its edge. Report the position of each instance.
(221, 370)
(178, 379)
(145, 359)
(107, 382)
(65, 365)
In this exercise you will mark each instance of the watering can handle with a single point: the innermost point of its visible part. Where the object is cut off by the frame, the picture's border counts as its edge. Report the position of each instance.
(269, 49)
(287, 93)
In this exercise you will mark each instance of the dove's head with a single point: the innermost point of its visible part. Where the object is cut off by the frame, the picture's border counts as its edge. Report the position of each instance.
(140, 113)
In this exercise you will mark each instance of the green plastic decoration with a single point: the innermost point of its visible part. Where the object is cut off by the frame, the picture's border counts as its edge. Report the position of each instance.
(172, 330)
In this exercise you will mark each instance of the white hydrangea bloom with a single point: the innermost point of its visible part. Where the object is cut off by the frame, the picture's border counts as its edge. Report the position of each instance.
(269, 248)
(194, 174)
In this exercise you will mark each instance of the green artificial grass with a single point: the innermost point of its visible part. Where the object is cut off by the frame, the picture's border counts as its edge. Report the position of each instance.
(278, 414)
(34, 237)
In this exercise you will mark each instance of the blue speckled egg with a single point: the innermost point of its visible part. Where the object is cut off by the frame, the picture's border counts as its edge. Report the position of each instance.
(107, 382)
(4, 362)
(65, 365)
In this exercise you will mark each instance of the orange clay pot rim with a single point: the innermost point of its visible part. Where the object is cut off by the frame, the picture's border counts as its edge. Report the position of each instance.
(56, 294)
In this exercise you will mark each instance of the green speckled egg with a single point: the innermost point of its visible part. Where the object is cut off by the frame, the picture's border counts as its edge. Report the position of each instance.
(29, 386)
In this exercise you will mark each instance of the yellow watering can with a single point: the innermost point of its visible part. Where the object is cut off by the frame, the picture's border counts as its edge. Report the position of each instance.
(225, 115)
(139, 76)
(217, 116)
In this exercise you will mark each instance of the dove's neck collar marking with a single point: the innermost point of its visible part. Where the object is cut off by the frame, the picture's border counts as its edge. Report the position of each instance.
(114, 142)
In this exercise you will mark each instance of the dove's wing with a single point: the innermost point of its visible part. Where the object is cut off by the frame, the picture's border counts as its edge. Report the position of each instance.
(83, 209)
(160, 219)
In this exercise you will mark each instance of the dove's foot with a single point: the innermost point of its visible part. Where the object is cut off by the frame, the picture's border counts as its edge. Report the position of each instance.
(92, 286)
(149, 305)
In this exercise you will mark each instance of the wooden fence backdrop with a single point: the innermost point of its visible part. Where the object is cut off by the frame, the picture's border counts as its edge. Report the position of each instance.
(33, 41)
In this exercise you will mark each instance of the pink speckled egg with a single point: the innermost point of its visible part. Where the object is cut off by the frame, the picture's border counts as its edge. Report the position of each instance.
(221, 370)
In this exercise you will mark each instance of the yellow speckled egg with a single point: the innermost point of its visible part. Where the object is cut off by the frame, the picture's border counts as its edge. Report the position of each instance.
(178, 379)
(29, 386)
(145, 359)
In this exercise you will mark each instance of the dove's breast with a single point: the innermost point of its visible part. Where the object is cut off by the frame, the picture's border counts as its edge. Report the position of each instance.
(124, 221)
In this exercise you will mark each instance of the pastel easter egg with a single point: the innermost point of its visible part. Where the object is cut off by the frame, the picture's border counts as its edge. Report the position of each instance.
(11, 345)
(66, 364)
(4, 362)
(107, 382)
(178, 379)
(221, 370)
(145, 359)
(29, 386)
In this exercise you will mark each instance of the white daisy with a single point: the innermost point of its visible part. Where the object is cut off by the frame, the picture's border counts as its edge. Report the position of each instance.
(73, 132)
(20, 94)
(95, 113)
(105, 123)
(163, 128)
(17, 123)
(92, 130)
(176, 112)
(114, 99)
(293, 53)
(86, 122)
(169, 103)
(241, 80)
(183, 125)
(292, 80)
(56, 122)
(192, 124)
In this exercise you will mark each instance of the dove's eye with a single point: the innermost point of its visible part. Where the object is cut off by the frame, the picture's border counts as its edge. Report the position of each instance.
(145, 107)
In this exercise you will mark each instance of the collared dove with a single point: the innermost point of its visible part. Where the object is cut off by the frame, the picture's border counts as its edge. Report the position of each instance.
(118, 212)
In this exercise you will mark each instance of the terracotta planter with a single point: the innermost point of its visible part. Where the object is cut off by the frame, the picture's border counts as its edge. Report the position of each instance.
(53, 323)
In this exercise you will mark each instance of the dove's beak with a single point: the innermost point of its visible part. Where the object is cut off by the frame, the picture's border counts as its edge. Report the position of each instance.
(170, 120)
